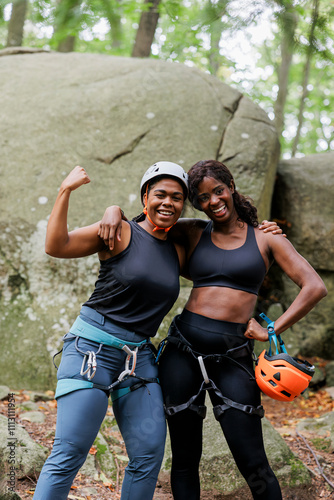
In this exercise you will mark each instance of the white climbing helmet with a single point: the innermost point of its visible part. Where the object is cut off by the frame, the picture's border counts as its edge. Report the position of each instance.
(164, 168)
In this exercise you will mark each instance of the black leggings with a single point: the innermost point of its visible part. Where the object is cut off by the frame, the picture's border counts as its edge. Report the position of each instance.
(181, 377)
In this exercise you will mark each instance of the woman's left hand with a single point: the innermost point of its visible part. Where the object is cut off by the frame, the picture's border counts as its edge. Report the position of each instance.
(255, 331)
(270, 227)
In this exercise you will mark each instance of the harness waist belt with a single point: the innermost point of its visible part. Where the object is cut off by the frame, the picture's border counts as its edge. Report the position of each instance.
(82, 329)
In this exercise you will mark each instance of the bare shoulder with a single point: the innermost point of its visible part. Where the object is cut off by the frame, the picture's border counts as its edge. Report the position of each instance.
(186, 231)
(270, 239)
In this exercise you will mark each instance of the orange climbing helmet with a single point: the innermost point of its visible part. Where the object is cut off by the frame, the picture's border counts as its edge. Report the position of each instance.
(281, 376)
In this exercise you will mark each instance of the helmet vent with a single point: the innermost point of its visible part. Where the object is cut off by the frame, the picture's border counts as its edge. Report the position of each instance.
(263, 374)
(286, 394)
(272, 383)
(277, 376)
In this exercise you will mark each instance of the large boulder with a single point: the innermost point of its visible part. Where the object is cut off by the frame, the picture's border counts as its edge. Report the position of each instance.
(115, 117)
(303, 198)
(218, 471)
(20, 456)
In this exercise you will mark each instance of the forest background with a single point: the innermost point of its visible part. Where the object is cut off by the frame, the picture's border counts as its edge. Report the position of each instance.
(279, 53)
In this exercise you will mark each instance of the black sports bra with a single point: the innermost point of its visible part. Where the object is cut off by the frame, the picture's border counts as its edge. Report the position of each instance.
(242, 268)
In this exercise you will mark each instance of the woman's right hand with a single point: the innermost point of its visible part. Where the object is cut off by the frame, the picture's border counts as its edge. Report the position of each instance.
(76, 178)
(111, 226)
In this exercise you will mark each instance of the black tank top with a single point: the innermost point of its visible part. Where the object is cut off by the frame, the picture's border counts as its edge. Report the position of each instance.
(242, 268)
(138, 287)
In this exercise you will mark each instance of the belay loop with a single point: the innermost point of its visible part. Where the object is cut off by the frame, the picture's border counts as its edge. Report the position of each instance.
(279, 375)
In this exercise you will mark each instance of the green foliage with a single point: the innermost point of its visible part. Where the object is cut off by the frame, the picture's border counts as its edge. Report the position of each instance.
(205, 34)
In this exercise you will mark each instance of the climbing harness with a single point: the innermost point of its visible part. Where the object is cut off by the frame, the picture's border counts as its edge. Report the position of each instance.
(279, 375)
(81, 329)
(176, 338)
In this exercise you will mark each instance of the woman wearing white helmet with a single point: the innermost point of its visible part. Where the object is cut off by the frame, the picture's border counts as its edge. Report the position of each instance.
(108, 350)
(209, 345)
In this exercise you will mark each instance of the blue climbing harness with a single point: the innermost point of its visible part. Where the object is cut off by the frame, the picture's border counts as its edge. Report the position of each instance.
(89, 364)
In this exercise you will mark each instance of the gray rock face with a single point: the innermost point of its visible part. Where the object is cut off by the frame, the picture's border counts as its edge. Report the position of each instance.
(18, 452)
(305, 189)
(304, 197)
(115, 117)
(218, 471)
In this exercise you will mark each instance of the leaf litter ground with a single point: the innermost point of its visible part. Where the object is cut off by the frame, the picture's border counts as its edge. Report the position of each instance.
(313, 452)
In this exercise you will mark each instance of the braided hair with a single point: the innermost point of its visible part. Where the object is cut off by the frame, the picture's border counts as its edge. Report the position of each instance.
(213, 168)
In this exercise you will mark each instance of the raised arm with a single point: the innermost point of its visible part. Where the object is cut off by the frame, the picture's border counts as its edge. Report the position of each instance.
(312, 288)
(80, 242)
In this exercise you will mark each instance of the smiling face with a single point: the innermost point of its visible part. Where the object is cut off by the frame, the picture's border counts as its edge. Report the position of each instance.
(164, 202)
(216, 200)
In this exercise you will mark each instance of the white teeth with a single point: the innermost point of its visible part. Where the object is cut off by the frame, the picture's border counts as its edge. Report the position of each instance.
(219, 209)
(165, 213)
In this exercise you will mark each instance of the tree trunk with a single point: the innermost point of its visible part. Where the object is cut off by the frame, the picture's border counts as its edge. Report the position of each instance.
(283, 77)
(66, 44)
(66, 22)
(216, 10)
(146, 30)
(16, 23)
(113, 15)
(289, 21)
(307, 67)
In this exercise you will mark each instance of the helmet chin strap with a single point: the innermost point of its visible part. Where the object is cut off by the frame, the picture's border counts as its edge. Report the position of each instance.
(156, 228)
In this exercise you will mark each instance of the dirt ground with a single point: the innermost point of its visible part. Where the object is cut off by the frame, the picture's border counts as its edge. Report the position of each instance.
(283, 416)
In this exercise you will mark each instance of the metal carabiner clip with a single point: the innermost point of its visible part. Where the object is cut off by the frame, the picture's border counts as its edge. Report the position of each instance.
(130, 354)
(91, 365)
(203, 370)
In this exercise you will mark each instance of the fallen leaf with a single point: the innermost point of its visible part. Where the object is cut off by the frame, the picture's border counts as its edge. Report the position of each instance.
(105, 480)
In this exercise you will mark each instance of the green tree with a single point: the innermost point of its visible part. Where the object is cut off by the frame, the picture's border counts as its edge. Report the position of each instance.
(16, 23)
(287, 19)
(146, 29)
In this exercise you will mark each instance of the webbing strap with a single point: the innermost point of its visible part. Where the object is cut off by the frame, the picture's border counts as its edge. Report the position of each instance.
(67, 385)
(219, 410)
(118, 393)
(228, 403)
(176, 338)
(82, 329)
(231, 355)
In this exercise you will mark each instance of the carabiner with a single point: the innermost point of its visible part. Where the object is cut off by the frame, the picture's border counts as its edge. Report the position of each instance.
(91, 365)
(203, 370)
(128, 371)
